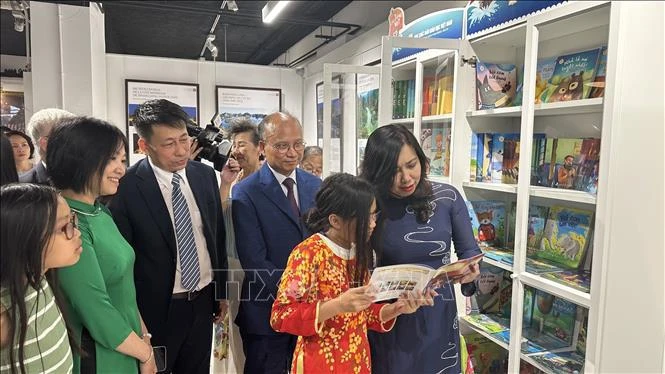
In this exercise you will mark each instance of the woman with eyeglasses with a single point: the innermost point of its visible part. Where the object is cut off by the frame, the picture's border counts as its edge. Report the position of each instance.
(86, 159)
(38, 235)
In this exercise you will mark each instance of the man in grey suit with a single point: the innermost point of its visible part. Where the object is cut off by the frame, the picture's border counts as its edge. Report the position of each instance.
(39, 128)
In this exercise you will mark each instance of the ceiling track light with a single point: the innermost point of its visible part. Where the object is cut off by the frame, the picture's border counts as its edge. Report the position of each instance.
(272, 9)
(211, 47)
(230, 5)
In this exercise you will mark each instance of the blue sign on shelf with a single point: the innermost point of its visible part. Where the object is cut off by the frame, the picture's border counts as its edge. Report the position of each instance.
(444, 24)
(482, 16)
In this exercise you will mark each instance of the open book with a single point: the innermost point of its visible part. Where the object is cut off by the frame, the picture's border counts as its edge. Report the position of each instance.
(391, 281)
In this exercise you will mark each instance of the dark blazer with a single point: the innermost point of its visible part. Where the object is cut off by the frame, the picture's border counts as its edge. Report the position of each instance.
(143, 219)
(37, 174)
(266, 231)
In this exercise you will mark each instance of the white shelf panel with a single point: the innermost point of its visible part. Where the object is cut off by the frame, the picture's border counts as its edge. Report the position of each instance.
(439, 179)
(557, 289)
(485, 334)
(438, 117)
(402, 120)
(507, 188)
(498, 264)
(511, 111)
(569, 107)
(563, 194)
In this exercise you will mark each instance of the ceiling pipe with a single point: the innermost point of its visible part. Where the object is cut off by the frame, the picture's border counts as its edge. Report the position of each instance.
(313, 51)
(188, 9)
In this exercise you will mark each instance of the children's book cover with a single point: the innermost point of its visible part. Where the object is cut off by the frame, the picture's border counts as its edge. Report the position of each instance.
(438, 151)
(487, 323)
(572, 77)
(491, 222)
(511, 218)
(544, 72)
(563, 156)
(426, 141)
(486, 356)
(511, 159)
(554, 316)
(579, 280)
(498, 255)
(488, 287)
(541, 268)
(447, 130)
(474, 161)
(474, 220)
(505, 295)
(487, 157)
(598, 85)
(567, 362)
(495, 85)
(565, 236)
(529, 301)
(498, 149)
(536, 226)
(588, 166)
(479, 157)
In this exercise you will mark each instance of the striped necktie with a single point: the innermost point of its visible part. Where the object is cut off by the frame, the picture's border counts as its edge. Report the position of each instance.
(190, 273)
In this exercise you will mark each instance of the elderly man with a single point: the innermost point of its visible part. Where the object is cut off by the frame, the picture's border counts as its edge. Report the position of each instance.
(39, 128)
(267, 207)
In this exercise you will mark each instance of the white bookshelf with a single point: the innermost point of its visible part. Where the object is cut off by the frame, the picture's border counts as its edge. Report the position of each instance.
(437, 118)
(402, 120)
(499, 187)
(562, 194)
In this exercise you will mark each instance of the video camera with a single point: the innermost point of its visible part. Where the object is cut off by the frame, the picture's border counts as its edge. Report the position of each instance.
(215, 148)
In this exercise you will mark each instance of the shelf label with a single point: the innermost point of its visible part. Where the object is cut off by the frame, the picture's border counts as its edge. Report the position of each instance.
(485, 16)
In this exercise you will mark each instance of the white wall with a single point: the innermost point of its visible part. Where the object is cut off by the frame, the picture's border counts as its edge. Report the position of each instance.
(207, 74)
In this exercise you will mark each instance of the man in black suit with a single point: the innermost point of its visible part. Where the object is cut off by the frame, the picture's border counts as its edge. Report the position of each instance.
(267, 210)
(168, 208)
(39, 128)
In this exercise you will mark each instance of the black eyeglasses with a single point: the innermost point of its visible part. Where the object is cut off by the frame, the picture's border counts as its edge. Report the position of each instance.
(73, 223)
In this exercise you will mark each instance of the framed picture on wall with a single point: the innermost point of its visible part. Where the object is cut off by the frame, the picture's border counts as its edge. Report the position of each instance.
(13, 110)
(249, 102)
(336, 124)
(139, 91)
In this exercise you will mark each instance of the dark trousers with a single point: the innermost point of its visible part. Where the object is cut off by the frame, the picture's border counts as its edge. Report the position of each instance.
(189, 334)
(269, 354)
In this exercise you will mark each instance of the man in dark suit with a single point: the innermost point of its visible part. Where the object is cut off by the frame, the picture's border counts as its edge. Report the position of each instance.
(267, 209)
(39, 128)
(168, 208)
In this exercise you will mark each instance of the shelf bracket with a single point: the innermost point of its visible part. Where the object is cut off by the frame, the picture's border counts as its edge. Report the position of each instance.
(473, 60)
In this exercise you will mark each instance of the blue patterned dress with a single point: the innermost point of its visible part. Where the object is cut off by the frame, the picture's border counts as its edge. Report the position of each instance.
(426, 341)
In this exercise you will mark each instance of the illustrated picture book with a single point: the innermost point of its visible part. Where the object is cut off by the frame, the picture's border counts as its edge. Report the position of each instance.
(495, 85)
(536, 225)
(598, 84)
(491, 217)
(555, 317)
(572, 77)
(565, 237)
(391, 281)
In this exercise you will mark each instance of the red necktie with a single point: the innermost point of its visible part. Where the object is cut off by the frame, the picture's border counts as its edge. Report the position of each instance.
(288, 182)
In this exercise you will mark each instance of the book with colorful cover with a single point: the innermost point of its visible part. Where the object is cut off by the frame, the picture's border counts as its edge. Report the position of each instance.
(588, 166)
(544, 72)
(495, 85)
(447, 131)
(598, 85)
(565, 362)
(565, 236)
(536, 226)
(474, 160)
(488, 287)
(498, 150)
(555, 317)
(438, 151)
(473, 217)
(491, 222)
(572, 77)
(486, 170)
(498, 255)
(511, 219)
(488, 323)
(485, 355)
(511, 159)
(529, 304)
(541, 268)
(562, 156)
(479, 157)
(579, 280)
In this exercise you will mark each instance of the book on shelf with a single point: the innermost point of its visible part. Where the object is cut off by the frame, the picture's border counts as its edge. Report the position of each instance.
(544, 72)
(473, 159)
(391, 281)
(577, 279)
(568, 163)
(572, 77)
(598, 85)
(440, 151)
(511, 219)
(488, 323)
(485, 355)
(495, 85)
(501, 255)
(535, 226)
(491, 217)
(554, 317)
(564, 362)
(565, 236)
(488, 287)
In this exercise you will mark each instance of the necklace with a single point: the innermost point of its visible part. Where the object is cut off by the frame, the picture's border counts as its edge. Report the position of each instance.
(98, 211)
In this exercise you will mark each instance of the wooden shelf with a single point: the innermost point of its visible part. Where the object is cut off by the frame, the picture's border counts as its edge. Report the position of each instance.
(507, 188)
(556, 289)
(438, 117)
(511, 111)
(569, 107)
(485, 334)
(402, 120)
(563, 194)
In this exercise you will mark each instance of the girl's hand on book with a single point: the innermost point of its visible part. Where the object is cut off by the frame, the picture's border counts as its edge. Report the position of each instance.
(409, 302)
(356, 299)
(471, 275)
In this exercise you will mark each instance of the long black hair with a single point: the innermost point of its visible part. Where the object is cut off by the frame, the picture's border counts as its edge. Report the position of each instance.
(28, 213)
(8, 173)
(379, 167)
(348, 197)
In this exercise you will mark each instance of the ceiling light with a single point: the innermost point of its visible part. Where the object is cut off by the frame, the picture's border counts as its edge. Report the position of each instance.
(272, 9)
(231, 4)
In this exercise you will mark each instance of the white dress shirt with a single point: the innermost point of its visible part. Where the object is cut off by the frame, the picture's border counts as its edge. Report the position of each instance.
(281, 178)
(164, 181)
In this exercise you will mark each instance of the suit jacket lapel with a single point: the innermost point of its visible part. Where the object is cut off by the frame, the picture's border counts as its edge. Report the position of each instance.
(274, 192)
(154, 199)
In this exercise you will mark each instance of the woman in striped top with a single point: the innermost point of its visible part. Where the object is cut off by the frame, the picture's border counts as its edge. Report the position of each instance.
(38, 233)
